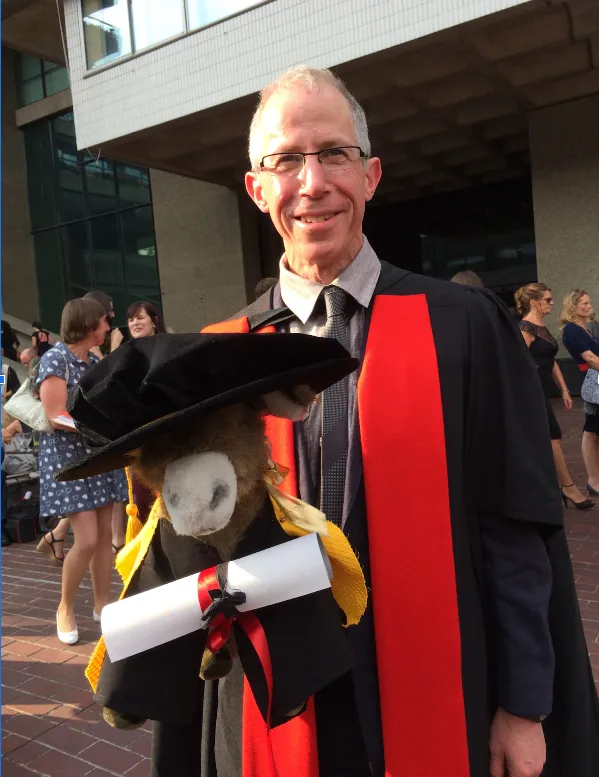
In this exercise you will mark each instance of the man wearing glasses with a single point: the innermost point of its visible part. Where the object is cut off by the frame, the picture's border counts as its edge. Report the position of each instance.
(454, 463)
(436, 462)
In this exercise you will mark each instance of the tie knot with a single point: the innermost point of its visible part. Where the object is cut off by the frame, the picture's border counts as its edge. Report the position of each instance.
(335, 300)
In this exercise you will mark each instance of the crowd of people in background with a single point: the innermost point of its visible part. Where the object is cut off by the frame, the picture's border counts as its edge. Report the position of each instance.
(580, 337)
(96, 510)
(93, 509)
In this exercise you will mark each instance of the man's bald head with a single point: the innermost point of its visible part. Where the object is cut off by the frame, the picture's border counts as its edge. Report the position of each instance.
(308, 79)
(26, 356)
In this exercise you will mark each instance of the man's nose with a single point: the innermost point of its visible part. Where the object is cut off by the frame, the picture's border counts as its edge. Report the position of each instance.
(313, 177)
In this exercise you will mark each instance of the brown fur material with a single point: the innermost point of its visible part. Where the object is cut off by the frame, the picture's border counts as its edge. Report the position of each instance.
(121, 720)
(238, 432)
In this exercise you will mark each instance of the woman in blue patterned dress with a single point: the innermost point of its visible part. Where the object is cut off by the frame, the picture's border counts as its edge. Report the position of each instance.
(87, 502)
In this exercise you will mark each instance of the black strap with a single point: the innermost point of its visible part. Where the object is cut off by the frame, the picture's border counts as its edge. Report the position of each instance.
(269, 318)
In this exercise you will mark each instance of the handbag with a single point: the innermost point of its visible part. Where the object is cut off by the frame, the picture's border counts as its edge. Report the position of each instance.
(590, 387)
(20, 458)
(28, 409)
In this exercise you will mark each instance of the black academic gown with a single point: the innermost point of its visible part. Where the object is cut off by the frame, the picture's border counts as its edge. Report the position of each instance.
(499, 465)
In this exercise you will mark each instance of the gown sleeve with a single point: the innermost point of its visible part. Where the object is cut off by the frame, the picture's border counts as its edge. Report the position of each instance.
(516, 499)
(162, 683)
(509, 457)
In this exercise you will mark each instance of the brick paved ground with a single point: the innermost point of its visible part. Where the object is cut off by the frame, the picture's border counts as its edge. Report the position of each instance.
(50, 724)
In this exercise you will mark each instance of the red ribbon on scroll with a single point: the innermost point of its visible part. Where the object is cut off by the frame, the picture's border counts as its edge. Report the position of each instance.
(219, 631)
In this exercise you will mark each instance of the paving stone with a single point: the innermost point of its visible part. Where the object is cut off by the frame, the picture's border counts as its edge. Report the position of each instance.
(142, 769)
(42, 687)
(12, 769)
(29, 752)
(101, 730)
(142, 746)
(30, 704)
(27, 726)
(66, 739)
(11, 741)
(110, 757)
(20, 648)
(56, 764)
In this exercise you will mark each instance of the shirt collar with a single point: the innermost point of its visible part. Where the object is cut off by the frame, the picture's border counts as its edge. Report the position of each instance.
(359, 280)
(64, 349)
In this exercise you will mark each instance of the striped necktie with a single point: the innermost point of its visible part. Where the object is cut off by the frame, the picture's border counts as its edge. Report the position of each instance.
(334, 436)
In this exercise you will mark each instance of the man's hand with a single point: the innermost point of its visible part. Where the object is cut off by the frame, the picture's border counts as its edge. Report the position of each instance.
(517, 746)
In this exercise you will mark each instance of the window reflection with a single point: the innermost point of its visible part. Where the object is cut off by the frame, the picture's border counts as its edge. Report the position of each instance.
(49, 274)
(56, 78)
(40, 175)
(140, 253)
(115, 28)
(77, 258)
(134, 185)
(155, 20)
(28, 73)
(203, 12)
(108, 260)
(106, 29)
(92, 223)
(99, 185)
(69, 182)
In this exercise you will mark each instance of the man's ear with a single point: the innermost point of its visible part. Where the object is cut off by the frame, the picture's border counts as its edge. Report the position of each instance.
(253, 187)
(373, 176)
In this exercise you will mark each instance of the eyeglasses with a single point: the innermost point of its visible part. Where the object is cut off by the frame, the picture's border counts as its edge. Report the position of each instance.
(548, 300)
(292, 163)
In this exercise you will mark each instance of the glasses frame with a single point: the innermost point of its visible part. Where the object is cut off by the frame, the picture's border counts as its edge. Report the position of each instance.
(363, 155)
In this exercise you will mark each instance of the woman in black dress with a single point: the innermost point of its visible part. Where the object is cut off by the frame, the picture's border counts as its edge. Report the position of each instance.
(534, 302)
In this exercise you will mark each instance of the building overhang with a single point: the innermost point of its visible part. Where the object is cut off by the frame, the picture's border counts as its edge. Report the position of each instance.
(33, 27)
(447, 111)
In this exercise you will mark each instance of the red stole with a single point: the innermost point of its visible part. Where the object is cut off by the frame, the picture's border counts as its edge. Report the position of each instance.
(413, 578)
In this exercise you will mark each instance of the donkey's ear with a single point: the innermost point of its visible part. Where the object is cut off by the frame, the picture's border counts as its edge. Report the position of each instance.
(293, 405)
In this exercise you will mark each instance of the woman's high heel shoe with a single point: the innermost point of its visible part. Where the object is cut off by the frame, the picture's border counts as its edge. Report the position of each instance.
(67, 637)
(584, 505)
(592, 491)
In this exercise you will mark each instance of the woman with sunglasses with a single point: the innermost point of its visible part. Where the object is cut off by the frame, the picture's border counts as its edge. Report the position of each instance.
(534, 302)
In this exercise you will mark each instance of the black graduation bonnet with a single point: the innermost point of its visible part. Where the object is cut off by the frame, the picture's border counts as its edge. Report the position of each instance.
(155, 384)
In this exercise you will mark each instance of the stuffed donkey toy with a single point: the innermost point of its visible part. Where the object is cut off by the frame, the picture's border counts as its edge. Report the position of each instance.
(186, 413)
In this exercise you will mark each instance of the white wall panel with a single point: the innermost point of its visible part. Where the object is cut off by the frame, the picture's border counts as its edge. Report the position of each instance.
(242, 54)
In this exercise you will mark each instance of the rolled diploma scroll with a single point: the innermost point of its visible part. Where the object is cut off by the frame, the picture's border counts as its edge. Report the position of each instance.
(137, 623)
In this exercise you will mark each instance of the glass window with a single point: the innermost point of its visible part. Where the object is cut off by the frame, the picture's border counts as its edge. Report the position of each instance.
(100, 186)
(108, 260)
(28, 75)
(69, 179)
(77, 258)
(28, 66)
(106, 30)
(134, 185)
(141, 270)
(37, 79)
(30, 91)
(56, 78)
(155, 20)
(50, 281)
(203, 12)
(92, 222)
(40, 175)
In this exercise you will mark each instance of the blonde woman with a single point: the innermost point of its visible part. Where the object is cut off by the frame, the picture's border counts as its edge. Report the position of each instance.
(534, 302)
(583, 346)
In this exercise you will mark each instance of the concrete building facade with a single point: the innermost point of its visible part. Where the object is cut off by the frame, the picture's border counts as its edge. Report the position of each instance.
(485, 114)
